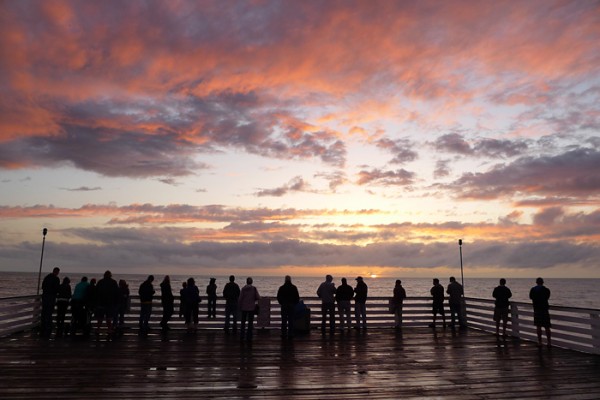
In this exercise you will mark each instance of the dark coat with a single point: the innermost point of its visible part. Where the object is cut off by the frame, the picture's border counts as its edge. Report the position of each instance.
(288, 294)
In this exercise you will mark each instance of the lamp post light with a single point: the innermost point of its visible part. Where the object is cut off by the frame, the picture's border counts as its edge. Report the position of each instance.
(44, 232)
(462, 277)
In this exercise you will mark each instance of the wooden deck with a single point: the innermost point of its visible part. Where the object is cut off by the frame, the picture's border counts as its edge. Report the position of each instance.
(377, 364)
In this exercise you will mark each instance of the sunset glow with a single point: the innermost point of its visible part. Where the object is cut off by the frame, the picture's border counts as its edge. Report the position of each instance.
(276, 137)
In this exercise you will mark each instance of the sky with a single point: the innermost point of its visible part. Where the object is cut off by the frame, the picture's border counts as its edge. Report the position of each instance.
(301, 137)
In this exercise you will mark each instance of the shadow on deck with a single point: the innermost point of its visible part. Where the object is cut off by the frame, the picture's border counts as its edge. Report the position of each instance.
(376, 364)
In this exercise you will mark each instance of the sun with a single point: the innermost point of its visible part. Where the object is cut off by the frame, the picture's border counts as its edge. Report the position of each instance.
(373, 276)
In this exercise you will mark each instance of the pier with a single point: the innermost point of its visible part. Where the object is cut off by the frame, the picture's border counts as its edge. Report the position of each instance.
(378, 363)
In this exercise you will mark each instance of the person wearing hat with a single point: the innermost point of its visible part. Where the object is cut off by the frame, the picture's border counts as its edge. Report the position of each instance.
(360, 300)
(211, 292)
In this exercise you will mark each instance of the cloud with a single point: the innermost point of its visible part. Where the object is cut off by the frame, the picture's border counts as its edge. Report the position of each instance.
(566, 174)
(400, 177)
(455, 143)
(83, 189)
(402, 149)
(297, 184)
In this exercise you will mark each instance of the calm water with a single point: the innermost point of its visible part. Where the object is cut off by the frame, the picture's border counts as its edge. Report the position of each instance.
(583, 293)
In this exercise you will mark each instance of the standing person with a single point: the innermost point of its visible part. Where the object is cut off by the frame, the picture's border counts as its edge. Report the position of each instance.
(108, 301)
(231, 293)
(91, 299)
(501, 294)
(455, 298)
(123, 305)
(167, 299)
(146, 292)
(360, 303)
(437, 292)
(287, 297)
(211, 294)
(78, 313)
(343, 295)
(50, 287)
(247, 304)
(398, 302)
(191, 295)
(182, 299)
(326, 293)
(62, 304)
(540, 295)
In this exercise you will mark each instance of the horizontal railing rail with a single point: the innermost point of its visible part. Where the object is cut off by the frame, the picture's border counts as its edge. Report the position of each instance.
(573, 328)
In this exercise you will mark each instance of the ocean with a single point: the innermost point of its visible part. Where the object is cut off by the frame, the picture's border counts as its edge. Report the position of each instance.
(583, 293)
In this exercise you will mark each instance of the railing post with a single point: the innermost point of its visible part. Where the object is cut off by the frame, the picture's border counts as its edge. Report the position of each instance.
(595, 327)
(514, 320)
(264, 314)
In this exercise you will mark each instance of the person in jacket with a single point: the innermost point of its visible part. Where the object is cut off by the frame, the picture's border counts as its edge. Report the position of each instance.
(146, 293)
(62, 304)
(167, 300)
(211, 295)
(502, 294)
(455, 299)
(78, 312)
(360, 302)
(326, 293)
(50, 287)
(539, 295)
(437, 293)
(123, 305)
(398, 302)
(287, 297)
(231, 293)
(191, 295)
(343, 295)
(91, 299)
(107, 302)
(247, 304)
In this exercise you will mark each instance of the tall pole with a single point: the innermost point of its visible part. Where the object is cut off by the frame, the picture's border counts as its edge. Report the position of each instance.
(462, 276)
(44, 232)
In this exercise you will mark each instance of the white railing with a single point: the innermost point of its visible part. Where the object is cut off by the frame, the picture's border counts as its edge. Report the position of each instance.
(573, 328)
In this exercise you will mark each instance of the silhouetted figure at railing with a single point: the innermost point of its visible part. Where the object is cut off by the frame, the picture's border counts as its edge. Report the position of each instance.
(211, 295)
(360, 303)
(288, 297)
(108, 302)
(455, 300)
(50, 287)
(167, 300)
(540, 295)
(146, 293)
(62, 305)
(343, 295)
(123, 306)
(326, 293)
(191, 295)
(248, 306)
(78, 311)
(398, 302)
(437, 293)
(231, 293)
(502, 294)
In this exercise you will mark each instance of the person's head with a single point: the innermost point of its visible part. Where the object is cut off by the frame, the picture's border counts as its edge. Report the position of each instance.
(150, 278)
(249, 281)
(84, 279)
(184, 284)
(329, 278)
(56, 270)
(66, 280)
(398, 282)
(191, 282)
(93, 281)
(452, 279)
(231, 278)
(288, 279)
(212, 280)
(539, 281)
(167, 279)
(436, 281)
(122, 283)
(344, 281)
(107, 274)
(502, 281)
(359, 279)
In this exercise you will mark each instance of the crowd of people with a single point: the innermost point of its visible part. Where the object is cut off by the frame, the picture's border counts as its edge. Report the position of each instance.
(107, 301)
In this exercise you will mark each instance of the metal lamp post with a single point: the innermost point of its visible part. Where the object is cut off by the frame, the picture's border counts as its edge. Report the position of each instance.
(462, 277)
(44, 232)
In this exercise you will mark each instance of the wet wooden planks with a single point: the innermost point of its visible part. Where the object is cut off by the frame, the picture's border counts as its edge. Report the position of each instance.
(376, 364)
